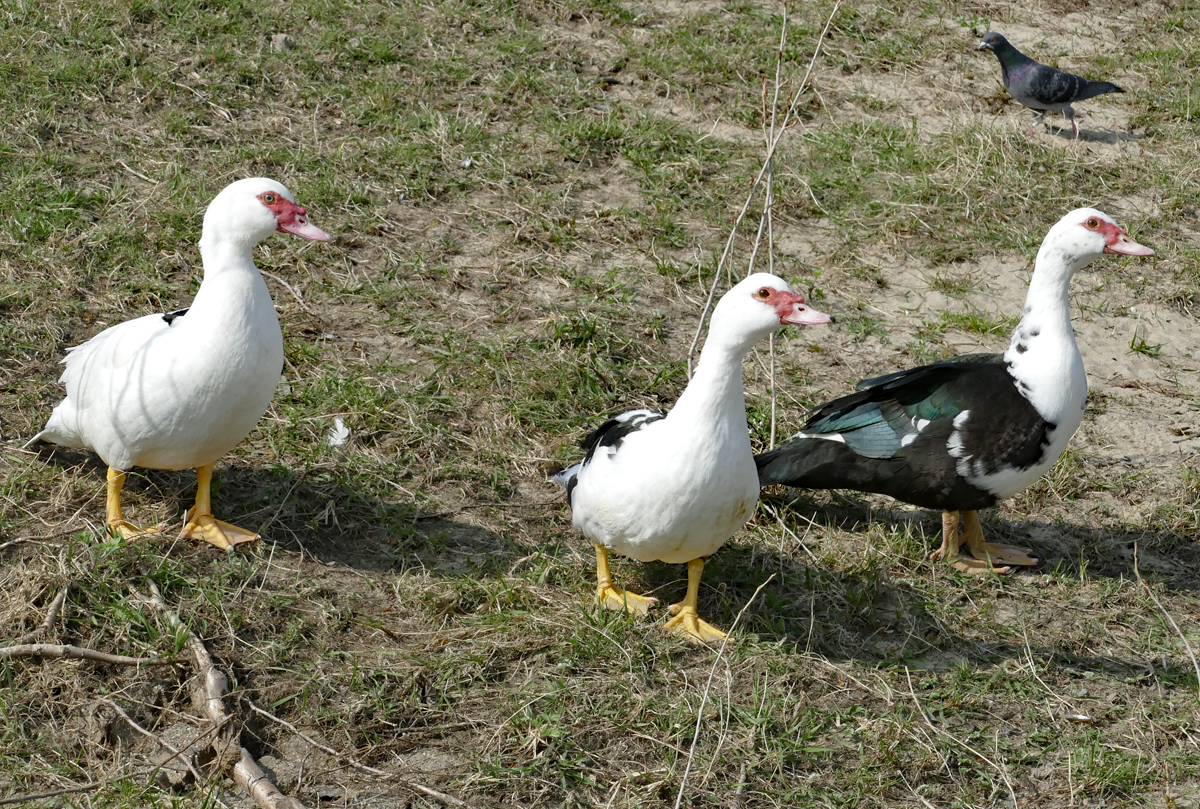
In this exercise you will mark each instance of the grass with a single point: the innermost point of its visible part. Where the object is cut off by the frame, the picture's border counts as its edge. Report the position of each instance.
(522, 247)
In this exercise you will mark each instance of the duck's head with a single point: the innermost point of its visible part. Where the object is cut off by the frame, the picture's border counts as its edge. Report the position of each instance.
(1084, 235)
(248, 211)
(759, 305)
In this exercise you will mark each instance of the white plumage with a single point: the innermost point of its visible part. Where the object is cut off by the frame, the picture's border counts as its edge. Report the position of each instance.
(179, 391)
(676, 488)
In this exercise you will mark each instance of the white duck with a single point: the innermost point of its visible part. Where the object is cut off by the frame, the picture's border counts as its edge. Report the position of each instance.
(180, 390)
(675, 488)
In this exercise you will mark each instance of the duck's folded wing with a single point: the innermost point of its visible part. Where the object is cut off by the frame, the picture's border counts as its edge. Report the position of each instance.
(112, 348)
(606, 438)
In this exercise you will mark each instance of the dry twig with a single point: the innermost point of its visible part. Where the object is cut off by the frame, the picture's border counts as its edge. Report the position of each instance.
(54, 794)
(55, 651)
(51, 615)
(246, 771)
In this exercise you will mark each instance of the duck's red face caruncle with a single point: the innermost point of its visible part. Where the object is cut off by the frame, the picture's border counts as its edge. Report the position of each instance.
(290, 217)
(790, 307)
(1116, 240)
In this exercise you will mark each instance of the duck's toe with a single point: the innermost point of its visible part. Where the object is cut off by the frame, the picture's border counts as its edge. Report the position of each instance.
(688, 624)
(128, 531)
(209, 529)
(613, 598)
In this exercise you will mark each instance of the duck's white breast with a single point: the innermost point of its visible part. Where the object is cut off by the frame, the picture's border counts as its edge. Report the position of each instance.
(161, 396)
(665, 500)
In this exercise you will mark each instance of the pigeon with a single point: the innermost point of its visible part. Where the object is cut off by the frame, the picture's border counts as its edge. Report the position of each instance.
(1040, 87)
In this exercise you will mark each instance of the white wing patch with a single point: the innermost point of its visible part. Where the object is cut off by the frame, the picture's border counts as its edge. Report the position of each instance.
(838, 437)
(955, 447)
(918, 426)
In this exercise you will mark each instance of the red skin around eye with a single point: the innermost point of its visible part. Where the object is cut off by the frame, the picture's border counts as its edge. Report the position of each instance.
(284, 209)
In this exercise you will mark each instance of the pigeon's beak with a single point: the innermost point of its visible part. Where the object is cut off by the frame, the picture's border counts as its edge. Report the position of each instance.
(983, 46)
(1119, 242)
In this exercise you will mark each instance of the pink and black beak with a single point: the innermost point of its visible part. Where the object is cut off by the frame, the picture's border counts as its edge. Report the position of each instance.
(1117, 240)
(793, 311)
(291, 218)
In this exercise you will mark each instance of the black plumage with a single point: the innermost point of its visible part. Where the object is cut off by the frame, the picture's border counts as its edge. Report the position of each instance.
(896, 434)
(171, 316)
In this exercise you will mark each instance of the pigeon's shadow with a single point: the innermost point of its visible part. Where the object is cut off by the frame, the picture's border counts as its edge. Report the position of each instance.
(1096, 135)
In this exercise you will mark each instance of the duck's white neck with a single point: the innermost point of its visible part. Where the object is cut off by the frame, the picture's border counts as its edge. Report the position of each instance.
(715, 393)
(232, 288)
(1043, 356)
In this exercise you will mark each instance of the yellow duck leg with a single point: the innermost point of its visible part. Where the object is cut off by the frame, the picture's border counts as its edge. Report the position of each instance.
(687, 621)
(200, 522)
(114, 518)
(985, 554)
(610, 597)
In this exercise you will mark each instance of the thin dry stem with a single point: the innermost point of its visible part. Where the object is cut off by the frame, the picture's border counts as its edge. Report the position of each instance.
(175, 753)
(43, 795)
(998, 767)
(762, 173)
(57, 651)
(1167, 615)
(51, 615)
(707, 687)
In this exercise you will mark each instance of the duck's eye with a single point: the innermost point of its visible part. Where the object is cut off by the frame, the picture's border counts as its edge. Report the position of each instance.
(1093, 223)
(269, 198)
(763, 293)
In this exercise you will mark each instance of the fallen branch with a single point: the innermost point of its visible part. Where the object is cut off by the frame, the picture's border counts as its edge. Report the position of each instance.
(57, 651)
(251, 778)
(51, 615)
(246, 771)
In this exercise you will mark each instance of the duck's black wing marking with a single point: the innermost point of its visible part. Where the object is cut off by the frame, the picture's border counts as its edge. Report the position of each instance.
(171, 316)
(918, 435)
(610, 434)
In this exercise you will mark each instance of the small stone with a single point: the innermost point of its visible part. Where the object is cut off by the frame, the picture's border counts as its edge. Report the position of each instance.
(281, 43)
(467, 162)
(354, 43)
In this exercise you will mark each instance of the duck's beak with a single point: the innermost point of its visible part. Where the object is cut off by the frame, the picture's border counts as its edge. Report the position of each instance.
(293, 219)
(1121, 243)
(799, 314)
(300, 226)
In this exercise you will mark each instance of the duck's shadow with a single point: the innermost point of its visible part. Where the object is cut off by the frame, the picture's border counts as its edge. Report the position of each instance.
(861, 613)
(867, 614)
(317, 512)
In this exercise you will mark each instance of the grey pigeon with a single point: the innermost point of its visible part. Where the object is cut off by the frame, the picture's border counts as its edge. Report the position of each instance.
(1040, 87)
